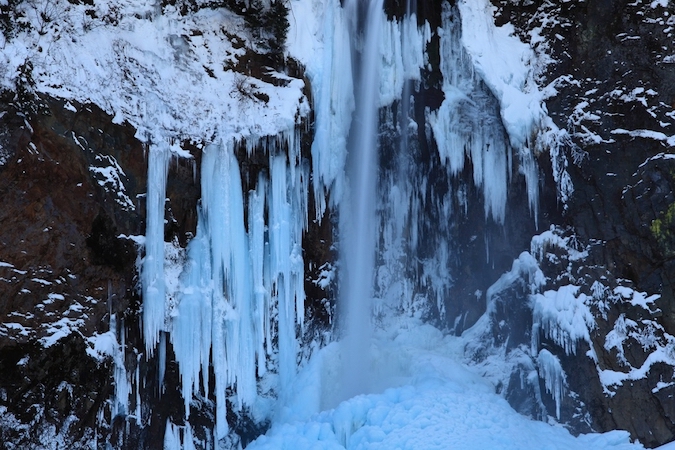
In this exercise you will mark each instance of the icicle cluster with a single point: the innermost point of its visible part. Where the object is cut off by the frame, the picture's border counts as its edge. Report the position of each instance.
(564, 317)
(243, 278)
(466, 126)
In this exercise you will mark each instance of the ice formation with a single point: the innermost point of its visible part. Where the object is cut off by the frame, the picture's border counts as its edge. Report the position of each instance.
(463, 126)
(554, 377)
(154, 290)
(564, 317)
(236, 278)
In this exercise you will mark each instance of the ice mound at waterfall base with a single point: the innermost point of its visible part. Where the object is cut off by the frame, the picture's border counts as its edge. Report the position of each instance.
(426, 400)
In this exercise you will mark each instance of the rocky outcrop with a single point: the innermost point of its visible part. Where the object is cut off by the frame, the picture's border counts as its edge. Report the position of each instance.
(611, 80)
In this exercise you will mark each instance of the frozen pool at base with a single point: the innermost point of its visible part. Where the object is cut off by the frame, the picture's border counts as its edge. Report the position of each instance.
(420, 397)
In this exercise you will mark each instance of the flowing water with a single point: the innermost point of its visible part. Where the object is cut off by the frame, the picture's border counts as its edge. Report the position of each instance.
(358, 232)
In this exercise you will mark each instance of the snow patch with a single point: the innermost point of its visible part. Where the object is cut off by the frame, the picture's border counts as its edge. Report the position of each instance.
(564, 317)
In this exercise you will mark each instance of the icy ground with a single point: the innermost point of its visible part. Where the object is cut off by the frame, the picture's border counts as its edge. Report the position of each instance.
(421, 397)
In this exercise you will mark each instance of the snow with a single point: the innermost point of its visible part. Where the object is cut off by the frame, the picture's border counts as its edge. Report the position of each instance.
(647, 134)
(102, 345)
(462, 126)
(505, 64)
(564, 317)
(508, 67)
(432, 401)
(618, 335)
(635, 298)
(551, 238)
(511, 70)
(60, 329)
(14, 327)
(525, 267)
(611, 378)
(111, 176)
(649, 334)
(151, 70)
(657, 157)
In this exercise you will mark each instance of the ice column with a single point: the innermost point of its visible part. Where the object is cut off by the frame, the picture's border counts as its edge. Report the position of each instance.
(239, 271)
(152, 273)
(333, 105)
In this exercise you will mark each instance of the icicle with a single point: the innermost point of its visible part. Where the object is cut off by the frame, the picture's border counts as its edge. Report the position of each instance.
(232, 328)
(191, 335)
(256, 231)
(152, 273)
(137, 386)
(234, 277)
(233, 274)
(171, 436)
(564, 317)
(122, 384)
(280, 267)
(161, 362)
(188, 440)
(554, 377)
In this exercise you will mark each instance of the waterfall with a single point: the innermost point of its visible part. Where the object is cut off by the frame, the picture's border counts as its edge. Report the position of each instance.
(358, 220)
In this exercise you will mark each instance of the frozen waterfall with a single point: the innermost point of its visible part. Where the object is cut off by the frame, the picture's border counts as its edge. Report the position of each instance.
(237, 307)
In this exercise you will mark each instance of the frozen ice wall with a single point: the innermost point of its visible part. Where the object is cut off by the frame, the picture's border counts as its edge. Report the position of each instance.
(242, 280)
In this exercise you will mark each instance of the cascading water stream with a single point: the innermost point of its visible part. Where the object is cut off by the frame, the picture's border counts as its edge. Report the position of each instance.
(358, 224)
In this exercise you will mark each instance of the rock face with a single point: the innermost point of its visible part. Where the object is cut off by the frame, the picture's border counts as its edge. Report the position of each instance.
(612, 73)
(65, 267)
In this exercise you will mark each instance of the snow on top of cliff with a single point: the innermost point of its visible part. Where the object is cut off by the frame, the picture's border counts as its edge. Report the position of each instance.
(170, 76)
